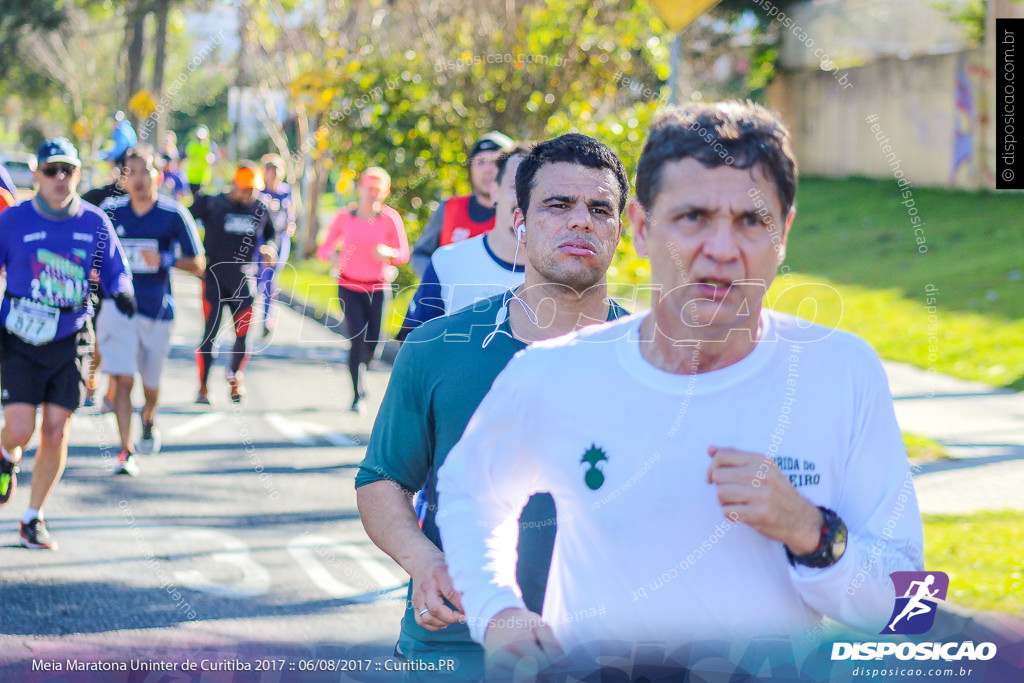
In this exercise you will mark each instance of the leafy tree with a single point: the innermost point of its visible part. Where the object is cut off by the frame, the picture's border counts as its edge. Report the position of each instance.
(19, 18)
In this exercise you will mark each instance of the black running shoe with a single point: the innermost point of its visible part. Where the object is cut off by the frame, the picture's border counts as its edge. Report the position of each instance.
(8, 477)
(150, 441)
(35, 536)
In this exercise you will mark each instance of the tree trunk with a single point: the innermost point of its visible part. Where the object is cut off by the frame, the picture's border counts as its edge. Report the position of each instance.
(312, 226)
(302, 182)
(239, 143)
(135, 31)
(153, 131)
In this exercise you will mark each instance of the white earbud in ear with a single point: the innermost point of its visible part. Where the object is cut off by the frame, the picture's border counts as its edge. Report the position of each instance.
(521, 232)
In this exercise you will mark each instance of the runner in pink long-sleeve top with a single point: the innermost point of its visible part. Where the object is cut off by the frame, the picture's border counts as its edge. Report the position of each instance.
(365, 243)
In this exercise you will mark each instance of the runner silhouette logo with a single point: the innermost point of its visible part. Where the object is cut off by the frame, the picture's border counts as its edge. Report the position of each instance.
(917, 597)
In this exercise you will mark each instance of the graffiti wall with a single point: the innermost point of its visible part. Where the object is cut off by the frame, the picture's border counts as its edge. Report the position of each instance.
(926, 116)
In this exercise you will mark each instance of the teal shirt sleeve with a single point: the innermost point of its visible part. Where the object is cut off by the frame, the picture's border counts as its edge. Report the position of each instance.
(615, 310)
(401, 446)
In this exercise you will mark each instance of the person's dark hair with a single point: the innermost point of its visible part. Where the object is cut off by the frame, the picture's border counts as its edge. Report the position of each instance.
(120, 161)
(572, 148)
(519, 149)
(144, 152)
(737, 134)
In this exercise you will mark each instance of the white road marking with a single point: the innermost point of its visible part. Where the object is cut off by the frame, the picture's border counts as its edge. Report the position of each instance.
(290, 429)
(304, 550)
(316, 553)
(370, 564)
(255, 579)
(195, 424)
(299, 432)
(336, 439)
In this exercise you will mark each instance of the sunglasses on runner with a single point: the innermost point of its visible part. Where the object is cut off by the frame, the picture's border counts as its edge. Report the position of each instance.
(52, 171)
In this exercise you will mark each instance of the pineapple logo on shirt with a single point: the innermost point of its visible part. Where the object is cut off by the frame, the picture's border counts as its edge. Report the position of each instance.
(593, 477)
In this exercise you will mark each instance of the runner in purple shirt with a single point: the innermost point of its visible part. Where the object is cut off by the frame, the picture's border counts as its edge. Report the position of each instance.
(51, 247)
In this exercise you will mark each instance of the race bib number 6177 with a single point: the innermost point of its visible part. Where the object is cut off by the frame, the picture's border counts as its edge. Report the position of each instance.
(32, 322)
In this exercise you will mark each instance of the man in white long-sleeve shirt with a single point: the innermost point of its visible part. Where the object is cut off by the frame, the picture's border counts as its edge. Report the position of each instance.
(719, 470)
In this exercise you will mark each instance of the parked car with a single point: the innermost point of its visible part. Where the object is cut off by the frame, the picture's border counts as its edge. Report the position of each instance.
(20, 166)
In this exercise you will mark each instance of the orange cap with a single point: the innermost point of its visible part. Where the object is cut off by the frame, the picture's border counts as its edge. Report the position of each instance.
(247, 178)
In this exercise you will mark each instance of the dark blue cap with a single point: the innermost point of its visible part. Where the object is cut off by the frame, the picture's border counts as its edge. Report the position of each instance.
(490, 142)
(58, 150)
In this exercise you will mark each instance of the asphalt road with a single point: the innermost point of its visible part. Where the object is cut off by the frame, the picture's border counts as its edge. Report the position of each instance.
(238, 544)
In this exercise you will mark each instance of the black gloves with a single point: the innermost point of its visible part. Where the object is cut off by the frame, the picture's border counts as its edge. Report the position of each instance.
(125, 303)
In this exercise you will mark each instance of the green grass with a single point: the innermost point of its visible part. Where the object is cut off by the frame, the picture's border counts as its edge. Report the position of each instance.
(855, 235)
(973, 346)
(328, 203)
(922, 449)
(857, 232)
(981, 554)
(311, 282)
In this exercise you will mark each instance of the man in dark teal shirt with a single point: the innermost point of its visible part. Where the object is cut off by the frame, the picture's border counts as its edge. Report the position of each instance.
(573, 189)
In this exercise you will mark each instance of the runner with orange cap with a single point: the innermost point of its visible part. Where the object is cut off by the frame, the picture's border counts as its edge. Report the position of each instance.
(235, 222)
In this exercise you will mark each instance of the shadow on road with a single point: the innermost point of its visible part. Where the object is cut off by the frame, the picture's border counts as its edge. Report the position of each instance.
(1015, 452)
(100, 606)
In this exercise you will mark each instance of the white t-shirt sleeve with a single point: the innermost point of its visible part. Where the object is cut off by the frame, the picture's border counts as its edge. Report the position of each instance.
(482, 487)
(878, 503)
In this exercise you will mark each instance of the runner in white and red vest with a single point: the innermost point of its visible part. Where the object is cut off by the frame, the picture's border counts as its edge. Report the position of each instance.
(464, 216)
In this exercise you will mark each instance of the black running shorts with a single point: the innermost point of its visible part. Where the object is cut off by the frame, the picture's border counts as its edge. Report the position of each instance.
(54, 372)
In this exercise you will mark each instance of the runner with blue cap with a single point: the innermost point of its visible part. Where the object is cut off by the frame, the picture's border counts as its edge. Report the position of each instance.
(51, 247)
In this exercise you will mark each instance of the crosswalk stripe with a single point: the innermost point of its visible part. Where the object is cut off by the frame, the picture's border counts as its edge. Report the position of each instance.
(370, 564)
(195, 424)
(290, 429)
(303, 433)
(304, 551)
(335, 439)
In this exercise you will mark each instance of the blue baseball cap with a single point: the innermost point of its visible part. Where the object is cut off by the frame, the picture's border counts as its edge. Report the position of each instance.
(58, 150)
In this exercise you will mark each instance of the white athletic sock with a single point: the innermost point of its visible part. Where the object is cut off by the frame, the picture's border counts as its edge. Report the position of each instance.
(30, 514)
(5, 454)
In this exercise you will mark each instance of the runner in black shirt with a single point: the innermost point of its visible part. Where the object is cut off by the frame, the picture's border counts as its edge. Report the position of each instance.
(234, 222)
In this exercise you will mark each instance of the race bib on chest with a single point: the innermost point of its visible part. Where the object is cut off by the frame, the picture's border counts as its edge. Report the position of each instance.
(238, 224)
(133, 249)
(32, 322)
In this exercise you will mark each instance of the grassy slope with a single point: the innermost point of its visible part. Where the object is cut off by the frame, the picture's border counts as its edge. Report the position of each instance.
(980, 552)
(853, 239)
(857, 231)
